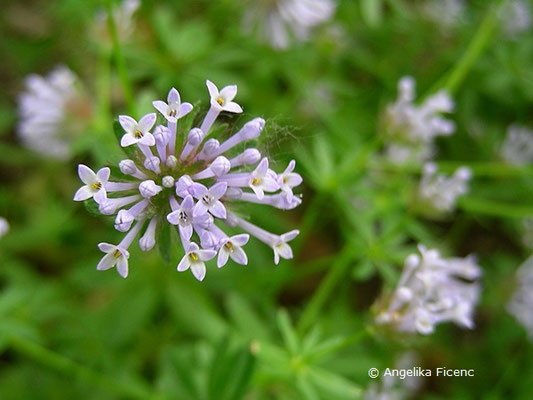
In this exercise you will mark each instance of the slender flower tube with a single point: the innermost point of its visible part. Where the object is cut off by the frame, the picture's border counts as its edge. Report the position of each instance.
(192, 188)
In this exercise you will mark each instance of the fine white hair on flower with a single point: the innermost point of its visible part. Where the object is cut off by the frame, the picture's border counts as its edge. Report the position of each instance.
(52, 111)
(281, 21)
(410, 129)
(432, 290)
(178, 178)
(437, 193)
(521, 303)
(517, 148)
(4, 226)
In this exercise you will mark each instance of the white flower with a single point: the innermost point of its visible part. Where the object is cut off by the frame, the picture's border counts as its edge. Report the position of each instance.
(432, 290)
(281, 20)
(281, 247)
(517, 147)
(521, 304)
(4, 226)
(115, 255)
(223, 100)
(173, 109)
(515, 17)
(288, 179)
(445, 12)
(232, 247)
(259, 180)
(195, 260)
(437, 193)
(52, 113)
(137, 132)
(94, 184)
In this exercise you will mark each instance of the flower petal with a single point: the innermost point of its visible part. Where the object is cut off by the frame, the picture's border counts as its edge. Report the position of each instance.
(218, 189)
(188, 203)
(160, 106)
(147, 122)
(239, 256)
(127, 140)
(128, 123)
(173, 217)
(173, 96)
(185, 109)
(199, 209)
(241, 239)
(184, 263)
(148, 139)
(258, 192)
(287, 237)
(83, 193)
(103, 175)
(261, 169)
(186, 232)
(122, 266)
(100, 197)
(106, 247)
(212, 88)
(107, 261)
(206, 255)
(218, 210)
(198, 270)
(269, 185)
(232, 107)
(87, 175)
(228, 93)
(223, 255)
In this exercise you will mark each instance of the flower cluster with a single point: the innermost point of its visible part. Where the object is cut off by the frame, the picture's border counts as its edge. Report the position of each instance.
(4, 226)
(411, 129)
(517, 147)
(432, 290)
(521, 304)
(438, 194)
(189, 182)
(52, 110)
(283, 19)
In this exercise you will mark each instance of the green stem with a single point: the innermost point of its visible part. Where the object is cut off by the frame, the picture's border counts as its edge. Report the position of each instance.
(341, 344)
(70, 368)
(327, 285)
(120, 61)
(455, 77)
(494, 208)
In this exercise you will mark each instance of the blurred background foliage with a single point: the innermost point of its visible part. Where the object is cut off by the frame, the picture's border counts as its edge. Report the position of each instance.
(303, 329)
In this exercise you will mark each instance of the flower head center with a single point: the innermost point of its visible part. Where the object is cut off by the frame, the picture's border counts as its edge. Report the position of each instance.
(183, 218)
(207, 199)
(220, 100)
(285, 180)
(96, 186)
(138, 134)
(229, 246)
(117, 253)
(256, 181)
(194, 257)
(172, 113)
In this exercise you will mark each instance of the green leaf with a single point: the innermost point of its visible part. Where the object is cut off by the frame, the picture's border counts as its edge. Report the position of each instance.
(287, 331)
(333, 386)
(372, 12)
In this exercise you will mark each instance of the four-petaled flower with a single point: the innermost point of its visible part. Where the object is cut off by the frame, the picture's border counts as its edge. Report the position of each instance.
(137, 132)
(195, 260)
(232, 247)
(260, 180)
(223, 100)
(209, 200)
(94, 184)
(116, 255)
(173, 109)
(288, 179)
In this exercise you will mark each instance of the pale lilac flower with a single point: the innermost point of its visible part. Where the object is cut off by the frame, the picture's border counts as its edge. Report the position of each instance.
(414, 127)
(195, 259)
(432, 290)
(95, 184)
(515, 17)
(521, 304)
(445, 13)
(53, 111)
(223, 100)
(173, 109)
(137, 132)
(280, 21)
(124, 21)
(4, 226)
(192, 188)
(438, 194)
(517, 147)
(231, 247)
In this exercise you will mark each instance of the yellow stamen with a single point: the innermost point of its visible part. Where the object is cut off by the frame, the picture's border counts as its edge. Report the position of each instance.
(256, 181)
(193, 256)
(172, 113)
(229, 246)
(220, 101)
(117, 254)
(96, 186)
(138, 134)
